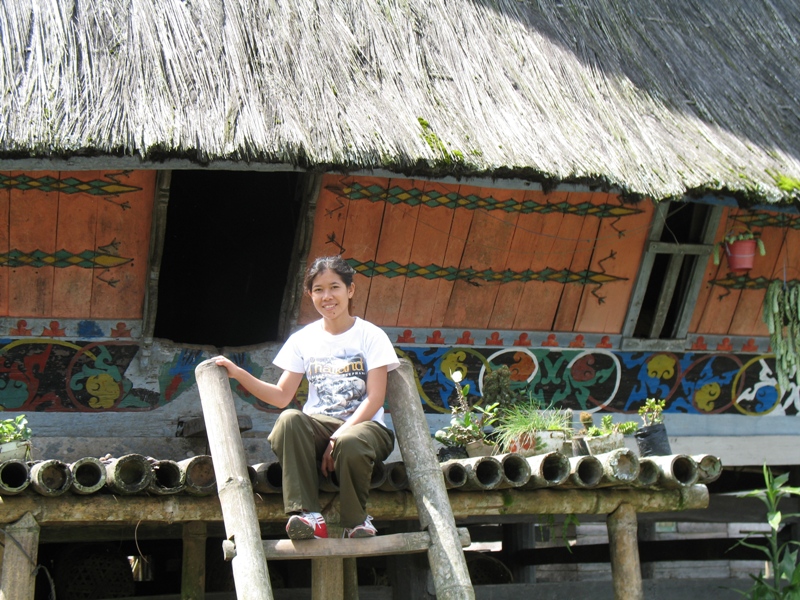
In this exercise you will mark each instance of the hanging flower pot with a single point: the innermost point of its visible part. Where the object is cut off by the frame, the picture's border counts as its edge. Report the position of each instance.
(741, 254)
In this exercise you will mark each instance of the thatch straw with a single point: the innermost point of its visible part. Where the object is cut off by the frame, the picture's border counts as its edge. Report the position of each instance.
(654, 98)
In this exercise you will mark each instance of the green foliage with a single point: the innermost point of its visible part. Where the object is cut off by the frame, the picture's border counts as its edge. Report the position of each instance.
(467, 423)
(497, 388)
(735, 236)
(781, 313)
(651, 411)
(16, 429)
(607, 426)
(525, 419)
(784, 583)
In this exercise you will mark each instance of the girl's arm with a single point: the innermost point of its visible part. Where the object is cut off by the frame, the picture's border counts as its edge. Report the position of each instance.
(278, 395)
(376, 393)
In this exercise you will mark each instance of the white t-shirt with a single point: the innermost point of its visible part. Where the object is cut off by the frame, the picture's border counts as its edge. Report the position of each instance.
(336, 365)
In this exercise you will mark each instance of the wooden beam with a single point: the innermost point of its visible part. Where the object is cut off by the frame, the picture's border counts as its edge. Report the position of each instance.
(382, 545)
(193, 572)
(21, 550)
(626, 572)
(106, 509)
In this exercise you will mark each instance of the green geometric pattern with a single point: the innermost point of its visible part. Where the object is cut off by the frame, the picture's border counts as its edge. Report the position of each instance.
(393, 269)
(432, 198)
(743, 282)
(88, 259)
(759, 219)
(67, 185)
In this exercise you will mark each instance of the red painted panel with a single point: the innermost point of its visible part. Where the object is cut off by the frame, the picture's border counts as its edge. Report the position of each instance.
(123, 228)
(459, 232)
(32, 226)
(429, 247)
(618, 253)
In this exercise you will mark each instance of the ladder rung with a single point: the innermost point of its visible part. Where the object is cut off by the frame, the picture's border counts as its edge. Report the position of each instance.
(381, 545)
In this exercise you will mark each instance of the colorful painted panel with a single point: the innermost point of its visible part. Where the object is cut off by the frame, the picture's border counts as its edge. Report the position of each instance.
(77, 243)
(435, 255)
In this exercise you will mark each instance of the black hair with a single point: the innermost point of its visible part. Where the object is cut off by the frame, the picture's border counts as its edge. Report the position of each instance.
(329, 263)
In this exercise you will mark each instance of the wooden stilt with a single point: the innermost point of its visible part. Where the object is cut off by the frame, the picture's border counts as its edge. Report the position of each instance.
(327, 578)
(625, 570)
(350, 579)
(242, 528)
(19, 559)
(448, 565)
(193, 577)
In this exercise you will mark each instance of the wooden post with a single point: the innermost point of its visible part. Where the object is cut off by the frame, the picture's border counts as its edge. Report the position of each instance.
(626, 573)
(193, 572)
(233, 484)
(448, 565)
(19, 559)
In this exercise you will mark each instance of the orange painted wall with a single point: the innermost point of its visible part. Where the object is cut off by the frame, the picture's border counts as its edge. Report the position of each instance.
(100, 220)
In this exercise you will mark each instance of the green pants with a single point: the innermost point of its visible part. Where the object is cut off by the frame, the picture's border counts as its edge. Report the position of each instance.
(299, 441)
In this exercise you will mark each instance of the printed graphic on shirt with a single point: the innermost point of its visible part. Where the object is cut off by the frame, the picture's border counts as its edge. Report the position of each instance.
(340, 383)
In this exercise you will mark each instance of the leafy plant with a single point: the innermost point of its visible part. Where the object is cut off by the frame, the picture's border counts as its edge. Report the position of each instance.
(737, 236)
(651, 411)
(15, 429)
(781, 313)
(467, 424)
(784, 583)
(524, 419)
(607, 427)
(497, 387)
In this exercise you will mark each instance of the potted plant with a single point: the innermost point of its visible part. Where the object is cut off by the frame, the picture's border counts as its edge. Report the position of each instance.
(15, 438)
(740, 248)
(527, 429)
(652, 438)
(497, 388)
(468, 425)
(605, 438)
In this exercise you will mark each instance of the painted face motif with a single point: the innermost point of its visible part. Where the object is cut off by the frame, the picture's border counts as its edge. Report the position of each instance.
(330, 295)
(103, 389)
(707, 396)
(661, 366)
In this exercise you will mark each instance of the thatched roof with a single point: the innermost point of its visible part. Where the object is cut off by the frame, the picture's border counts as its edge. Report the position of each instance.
(655, 98)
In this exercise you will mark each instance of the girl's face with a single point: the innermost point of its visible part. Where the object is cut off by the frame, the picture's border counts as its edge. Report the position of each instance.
(330, 295)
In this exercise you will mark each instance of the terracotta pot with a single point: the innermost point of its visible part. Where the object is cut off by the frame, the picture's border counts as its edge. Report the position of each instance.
(741, 254)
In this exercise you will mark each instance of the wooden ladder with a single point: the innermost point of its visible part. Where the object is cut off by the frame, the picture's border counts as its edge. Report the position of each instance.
(332, 567)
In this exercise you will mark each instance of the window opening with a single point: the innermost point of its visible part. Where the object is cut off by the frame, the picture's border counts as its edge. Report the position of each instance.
(670, 277)
(225, 262)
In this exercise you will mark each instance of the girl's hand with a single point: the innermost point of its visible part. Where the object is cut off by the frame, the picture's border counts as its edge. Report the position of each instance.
(327, 459)
(222, 361)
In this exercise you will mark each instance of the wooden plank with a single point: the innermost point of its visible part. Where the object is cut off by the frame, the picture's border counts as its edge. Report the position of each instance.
(20, 559)
(327, 579)
(618, 252)
(456, 242)
(429, 247)
(193, 564)
(487, 247)
(555, 241)
(5, 203)
(123, 228)
(399, 225)
(75, 233)
(572, 293)
(381, 545)
(326, 237)
(704, 298)
(360, 239)
(32, 226)
(520, 256)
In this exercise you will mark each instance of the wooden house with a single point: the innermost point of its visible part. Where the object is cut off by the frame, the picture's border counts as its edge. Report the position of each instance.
(538, 185)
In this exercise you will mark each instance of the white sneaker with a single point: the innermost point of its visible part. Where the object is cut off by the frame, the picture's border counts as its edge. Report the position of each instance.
(306, 526)
(366, 529)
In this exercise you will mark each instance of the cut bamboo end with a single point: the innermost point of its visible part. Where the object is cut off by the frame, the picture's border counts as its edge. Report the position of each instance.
(51, 477)
(675, 471)
(129, 474)
(455, 474)
(168, 478)
(584, 471)
(515, 470)
(88, 475)
(15, 477)
(709, 467)
(200, 477)
(396, 477)
(620, 466)
(547, 470)
(267, 478)
(483, 473)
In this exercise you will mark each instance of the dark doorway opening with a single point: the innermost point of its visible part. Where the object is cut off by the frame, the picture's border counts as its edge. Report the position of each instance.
(225, 263)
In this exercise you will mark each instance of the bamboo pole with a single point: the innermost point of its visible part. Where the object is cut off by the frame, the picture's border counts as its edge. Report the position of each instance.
(50, 477)
(15, 476)
(88, 475)
(626, 573)
(709, 467)
(235, 492)
(21, 552)
(193, 572)
(168, 478)
(129, 474)
(448, 564)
